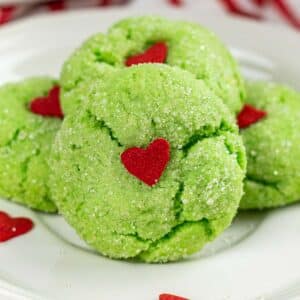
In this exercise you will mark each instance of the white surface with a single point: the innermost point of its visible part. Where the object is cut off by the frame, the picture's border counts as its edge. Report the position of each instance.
(257, 257)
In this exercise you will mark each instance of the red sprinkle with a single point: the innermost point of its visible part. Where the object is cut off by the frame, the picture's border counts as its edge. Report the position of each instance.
(157, 53)
(176, 2)
(6, 13)
(234, 7)
(249, 115)
(57, 5)
(105, 2)
(13, 227)
(147, 164)
(49, 105)
(170, 297)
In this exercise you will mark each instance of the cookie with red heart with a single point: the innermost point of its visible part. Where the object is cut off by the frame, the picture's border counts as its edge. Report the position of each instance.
(270, 127)
(153, 40)
(30, 115)
(152, 165)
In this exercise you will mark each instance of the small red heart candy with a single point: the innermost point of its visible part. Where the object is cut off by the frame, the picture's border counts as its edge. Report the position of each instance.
(49, 105)
(147, 164)
(157, 53)
(170, 297)
(13, 227)
(249, 115)
(176, 2)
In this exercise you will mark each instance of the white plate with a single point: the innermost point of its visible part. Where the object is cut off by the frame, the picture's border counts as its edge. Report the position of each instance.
(257, 257)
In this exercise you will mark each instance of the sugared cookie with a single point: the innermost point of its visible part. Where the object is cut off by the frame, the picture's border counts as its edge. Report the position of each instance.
(270, 127)
(151, 167)
(154, 40)
(30, 116)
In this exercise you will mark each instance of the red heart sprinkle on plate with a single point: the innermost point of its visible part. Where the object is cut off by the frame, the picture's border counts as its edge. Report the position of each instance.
(13, 227)
(170, 297)
(249, 115)
(147, 164)
(48, 106)
(157, 53)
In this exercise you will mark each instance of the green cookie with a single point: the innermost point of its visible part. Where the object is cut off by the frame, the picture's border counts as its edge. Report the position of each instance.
(198, 193)
(273, 147)
(25, 142)
(190, 47)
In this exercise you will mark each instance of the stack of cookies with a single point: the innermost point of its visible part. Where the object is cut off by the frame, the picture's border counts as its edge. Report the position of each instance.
(150, 141)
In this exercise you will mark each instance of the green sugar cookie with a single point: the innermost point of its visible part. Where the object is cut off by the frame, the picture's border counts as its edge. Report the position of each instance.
(198, 192)
(188, 46)
(273, 147)
(25, 142)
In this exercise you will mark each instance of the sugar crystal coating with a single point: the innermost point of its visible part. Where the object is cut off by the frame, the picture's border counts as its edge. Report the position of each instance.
(199, 192)
(273, 147)
(190, 47)
(25, 142)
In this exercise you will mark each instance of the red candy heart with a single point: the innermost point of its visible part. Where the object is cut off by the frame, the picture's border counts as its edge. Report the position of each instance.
(170, 297)
(249, 115)
(49, 105)
(13, 227)
(147, 164)
(176, 2)
(157, 53)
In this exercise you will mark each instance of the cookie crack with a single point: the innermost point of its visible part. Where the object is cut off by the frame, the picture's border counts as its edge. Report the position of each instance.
(77, 82)
(203, 133)
(153, 244)
(178, 208)
(207, 227)
(13, 138)
(110, 132)
(238, 154)
(153, 124)
(208, 132)
(178, 205)
(135, 235)
(101, 124)
(100, 58)
(263, 182)
(204, 221)
(24, 170)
